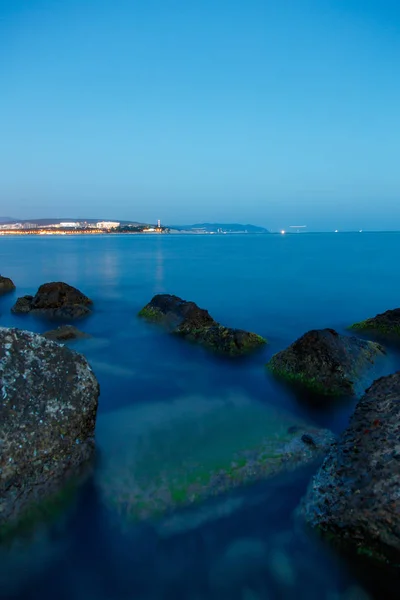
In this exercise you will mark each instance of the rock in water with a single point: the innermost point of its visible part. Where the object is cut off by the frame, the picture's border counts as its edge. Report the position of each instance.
(195, 324)
(6, 285)
(385, 325)
(355, 495)
(48, 407)
(326, 362)
(23, 305)
(55, 300)
(65, 333)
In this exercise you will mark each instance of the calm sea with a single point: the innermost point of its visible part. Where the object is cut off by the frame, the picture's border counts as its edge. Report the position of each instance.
(247, 545)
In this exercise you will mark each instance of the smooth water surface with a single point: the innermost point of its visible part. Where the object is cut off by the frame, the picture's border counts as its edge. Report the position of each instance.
(247, 544)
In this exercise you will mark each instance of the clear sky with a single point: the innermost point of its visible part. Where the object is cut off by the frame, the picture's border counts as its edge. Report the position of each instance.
(272, 112)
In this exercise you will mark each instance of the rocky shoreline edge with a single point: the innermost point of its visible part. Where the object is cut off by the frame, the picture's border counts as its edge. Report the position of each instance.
(50, 398)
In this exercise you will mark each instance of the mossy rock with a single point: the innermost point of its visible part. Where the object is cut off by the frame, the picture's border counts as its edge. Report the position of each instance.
(300, 378)
(195, 324)
(385, 325)
(354, 497)
(328, 363)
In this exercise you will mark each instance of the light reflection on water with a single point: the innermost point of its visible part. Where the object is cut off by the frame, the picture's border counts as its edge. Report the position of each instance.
(246, 545)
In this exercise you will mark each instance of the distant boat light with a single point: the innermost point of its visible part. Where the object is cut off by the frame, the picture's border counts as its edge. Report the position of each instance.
(283, 231)
(336, 230)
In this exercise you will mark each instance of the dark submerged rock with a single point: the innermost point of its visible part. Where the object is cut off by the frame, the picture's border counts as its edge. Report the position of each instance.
(55, 300)
(308, 439)
(6, 285)
(385, 325)
(326, 362)
(355, 495)
(195, 324)
(65, 333)
(48, 410)
(219, 445)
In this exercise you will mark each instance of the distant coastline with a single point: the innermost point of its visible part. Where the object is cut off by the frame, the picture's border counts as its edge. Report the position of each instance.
(99, 227)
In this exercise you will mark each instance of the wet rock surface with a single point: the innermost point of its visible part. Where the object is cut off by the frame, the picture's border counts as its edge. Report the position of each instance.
(385, 325)
(355, 494)
(55, 300)
(64, 333)
(6, 285)
(195, 324)
(48, 410)
(328, 363)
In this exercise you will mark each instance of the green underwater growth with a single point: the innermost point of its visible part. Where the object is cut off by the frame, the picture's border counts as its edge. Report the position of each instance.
(150, 314)
(45, 511)
(160, 457)
(300, 378)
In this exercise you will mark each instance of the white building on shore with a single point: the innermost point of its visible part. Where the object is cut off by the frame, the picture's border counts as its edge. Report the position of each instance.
(107, 225)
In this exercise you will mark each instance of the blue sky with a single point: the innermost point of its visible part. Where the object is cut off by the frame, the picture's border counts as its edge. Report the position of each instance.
(273, 112)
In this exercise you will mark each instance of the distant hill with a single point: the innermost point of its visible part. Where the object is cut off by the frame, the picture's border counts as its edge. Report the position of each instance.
(221, 227)
(7, 220)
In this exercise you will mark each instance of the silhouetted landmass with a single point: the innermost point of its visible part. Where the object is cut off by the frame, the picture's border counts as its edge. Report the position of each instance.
(135, 226)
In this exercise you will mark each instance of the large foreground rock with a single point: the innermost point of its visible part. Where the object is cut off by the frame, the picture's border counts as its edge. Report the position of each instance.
(55, 300)
(48, 407)
(385, 325)
(195, 324)
(356, 494)
(327, 363)
(159, 457)
(6, 285)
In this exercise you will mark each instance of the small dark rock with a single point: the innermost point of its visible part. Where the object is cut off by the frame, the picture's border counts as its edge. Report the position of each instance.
(327, 363)
(308, 439)
(65, 333)
(55, 300)
(22, 305)
(355, 495)
(6, 285)
(193, 323)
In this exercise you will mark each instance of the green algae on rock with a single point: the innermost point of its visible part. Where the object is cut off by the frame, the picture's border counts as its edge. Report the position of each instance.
(195, 324)
(385, 325)
(157, 458)
(327, 363)
(354, 498)
(47, 413)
